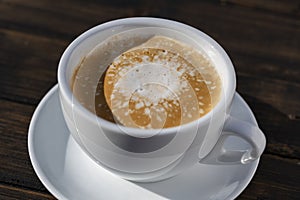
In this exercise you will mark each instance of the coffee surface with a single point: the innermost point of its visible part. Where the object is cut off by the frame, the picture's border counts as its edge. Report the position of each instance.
(155, 82)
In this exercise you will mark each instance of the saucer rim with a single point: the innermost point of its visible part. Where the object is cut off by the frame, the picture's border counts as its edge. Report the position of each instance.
(34, 161)
(55, 191)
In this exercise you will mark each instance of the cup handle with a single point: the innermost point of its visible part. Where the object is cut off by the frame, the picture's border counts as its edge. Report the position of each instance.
(248, 132)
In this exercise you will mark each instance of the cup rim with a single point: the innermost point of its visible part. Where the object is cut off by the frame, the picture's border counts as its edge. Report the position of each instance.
(65, 90)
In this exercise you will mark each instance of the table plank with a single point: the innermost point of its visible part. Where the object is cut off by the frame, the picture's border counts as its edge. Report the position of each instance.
(261, 56)
(15, 165)
(259, 43)
(8, 192)
(261, 37)
(59, 20)
(277, 116)
(27, 77)
(268, 182)
(278, 6)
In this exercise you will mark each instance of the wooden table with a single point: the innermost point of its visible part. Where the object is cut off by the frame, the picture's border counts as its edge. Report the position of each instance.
(262, 39)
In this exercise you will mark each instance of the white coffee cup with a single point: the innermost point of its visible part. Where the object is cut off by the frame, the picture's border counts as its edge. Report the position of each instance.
(151, 154)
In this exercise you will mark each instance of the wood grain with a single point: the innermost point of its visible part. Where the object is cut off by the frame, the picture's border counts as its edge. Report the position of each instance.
(268, 182)
(277, 57)
(268, 102)
(261, 37)
(15, 193)
(15, 166)
(283, 7)
(33, 72)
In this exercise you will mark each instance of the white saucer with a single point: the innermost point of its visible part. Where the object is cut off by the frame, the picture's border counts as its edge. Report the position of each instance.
(68, 173)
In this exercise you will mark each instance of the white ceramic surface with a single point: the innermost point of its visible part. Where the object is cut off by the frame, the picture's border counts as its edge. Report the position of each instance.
(68, 173)
(180, 147)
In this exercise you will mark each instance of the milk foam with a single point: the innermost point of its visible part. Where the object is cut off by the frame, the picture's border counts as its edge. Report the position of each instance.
(177, 85)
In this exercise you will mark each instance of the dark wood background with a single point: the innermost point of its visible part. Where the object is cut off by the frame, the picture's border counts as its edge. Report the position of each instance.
(261, 37)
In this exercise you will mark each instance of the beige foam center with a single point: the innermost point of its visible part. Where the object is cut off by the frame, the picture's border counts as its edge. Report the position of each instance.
(161, 83)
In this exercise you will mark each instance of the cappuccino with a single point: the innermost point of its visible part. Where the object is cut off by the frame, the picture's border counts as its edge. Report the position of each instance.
(147, 82)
